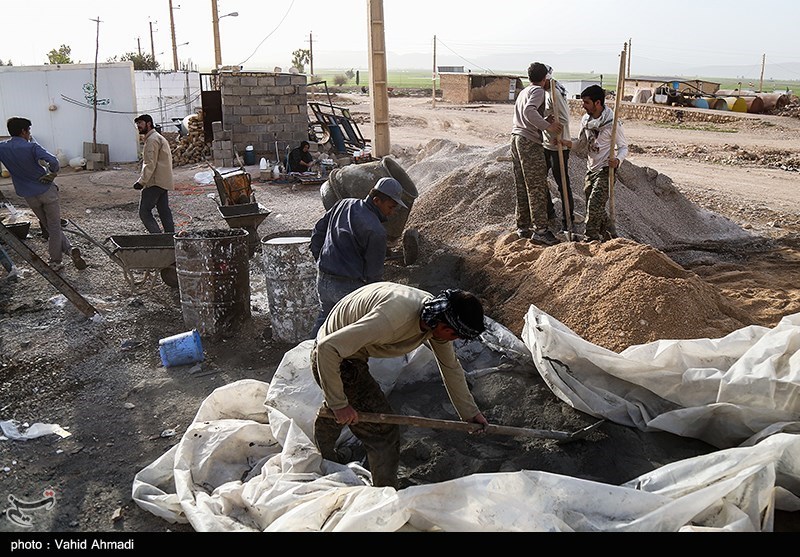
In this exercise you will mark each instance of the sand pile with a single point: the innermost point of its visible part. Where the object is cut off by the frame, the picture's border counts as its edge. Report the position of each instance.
(614, 294)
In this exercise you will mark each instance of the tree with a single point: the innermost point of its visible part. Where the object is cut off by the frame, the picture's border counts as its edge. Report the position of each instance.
(6, 64)
(299, 59)
(140, 61)
(350, 73)
(60, 56)
(340, 79)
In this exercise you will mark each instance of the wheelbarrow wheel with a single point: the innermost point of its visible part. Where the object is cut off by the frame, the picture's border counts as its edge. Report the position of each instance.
(170, 276)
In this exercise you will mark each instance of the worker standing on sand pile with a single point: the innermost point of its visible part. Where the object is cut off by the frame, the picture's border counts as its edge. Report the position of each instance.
(386, 320)
(527, 156)
(595, 135)
(551, 144)
(349, 244)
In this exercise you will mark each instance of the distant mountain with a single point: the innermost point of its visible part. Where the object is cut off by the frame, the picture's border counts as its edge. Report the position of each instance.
(573, 61)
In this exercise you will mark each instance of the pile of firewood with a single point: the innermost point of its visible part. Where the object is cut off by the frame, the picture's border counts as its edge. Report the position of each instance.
(191, 148)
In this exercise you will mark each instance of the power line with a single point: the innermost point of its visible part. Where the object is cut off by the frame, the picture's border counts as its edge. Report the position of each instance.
(464, 59)
(182, 102)
(269, 35)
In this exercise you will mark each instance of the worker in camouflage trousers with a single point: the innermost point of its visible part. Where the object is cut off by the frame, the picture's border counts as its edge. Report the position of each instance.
(527, 157)
(387, 320)
(595, 135)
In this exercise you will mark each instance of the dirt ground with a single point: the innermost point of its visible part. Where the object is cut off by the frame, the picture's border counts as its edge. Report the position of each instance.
(103, 380)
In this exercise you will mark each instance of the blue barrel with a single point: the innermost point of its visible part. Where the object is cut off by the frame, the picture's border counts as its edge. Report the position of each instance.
(700, 103)
(181, 349)
(337, 137)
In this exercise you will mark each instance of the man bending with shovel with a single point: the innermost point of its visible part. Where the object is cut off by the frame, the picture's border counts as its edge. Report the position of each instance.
(386, 320)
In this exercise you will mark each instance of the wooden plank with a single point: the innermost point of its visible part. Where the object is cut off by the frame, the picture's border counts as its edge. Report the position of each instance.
(52, 277)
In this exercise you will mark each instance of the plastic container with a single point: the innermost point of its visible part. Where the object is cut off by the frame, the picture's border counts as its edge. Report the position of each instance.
(249, 155)
(263, 165)
(181, 349)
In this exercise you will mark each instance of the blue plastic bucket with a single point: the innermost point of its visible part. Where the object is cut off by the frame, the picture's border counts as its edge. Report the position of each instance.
(181, 349)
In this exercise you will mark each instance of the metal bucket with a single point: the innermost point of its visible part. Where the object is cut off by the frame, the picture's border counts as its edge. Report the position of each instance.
(213, 268)
(291, 277)
(356, 180)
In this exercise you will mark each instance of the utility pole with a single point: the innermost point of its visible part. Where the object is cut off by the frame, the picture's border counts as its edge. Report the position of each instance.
(629, 57)
(433, 88)
(174, 44)
(94, 101)
(217, 47)
(152, 47)
(378, 92)
(139, 45)
(761, 84)
(311, 53)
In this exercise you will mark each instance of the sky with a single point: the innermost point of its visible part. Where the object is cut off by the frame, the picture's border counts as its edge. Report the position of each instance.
(679, 37)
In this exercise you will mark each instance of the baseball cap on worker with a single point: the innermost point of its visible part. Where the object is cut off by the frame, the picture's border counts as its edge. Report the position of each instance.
(393, 189)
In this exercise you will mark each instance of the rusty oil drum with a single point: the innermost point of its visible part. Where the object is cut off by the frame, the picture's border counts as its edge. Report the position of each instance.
(213, 268)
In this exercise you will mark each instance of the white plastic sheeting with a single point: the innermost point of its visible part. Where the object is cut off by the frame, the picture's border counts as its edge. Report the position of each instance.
(727, 392)
(244, 465)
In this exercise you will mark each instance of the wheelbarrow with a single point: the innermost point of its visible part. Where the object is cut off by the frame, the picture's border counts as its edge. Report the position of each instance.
(149, 254)
(248, 216)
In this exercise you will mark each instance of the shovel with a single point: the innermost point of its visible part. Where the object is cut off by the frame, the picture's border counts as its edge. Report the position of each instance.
(491, 429)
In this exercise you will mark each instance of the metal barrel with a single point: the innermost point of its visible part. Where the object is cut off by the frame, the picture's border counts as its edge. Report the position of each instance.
(291, 279)
(213, 268)
(356, 180)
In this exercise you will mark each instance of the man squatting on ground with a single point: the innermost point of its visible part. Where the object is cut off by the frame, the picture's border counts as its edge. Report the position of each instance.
(156, 177)
(527, 155)
(300, 160)
(386, 320)
(33, 182)
(349, 244)
(595, 134)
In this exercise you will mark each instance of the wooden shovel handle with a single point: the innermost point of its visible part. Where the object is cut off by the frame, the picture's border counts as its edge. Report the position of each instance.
(452, 425)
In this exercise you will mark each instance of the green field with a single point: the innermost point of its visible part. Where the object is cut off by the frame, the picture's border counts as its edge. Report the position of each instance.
(421, 79)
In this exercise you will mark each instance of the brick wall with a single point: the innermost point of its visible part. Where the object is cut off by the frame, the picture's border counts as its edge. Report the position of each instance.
(660, 113)
(258, 109)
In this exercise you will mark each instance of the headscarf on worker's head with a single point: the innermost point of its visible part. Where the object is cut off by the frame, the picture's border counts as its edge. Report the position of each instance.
(458, 309)
(560, 88)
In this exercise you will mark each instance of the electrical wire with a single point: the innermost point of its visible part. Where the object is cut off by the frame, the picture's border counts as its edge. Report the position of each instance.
(269, 35)
(464, 59)
(182, 102)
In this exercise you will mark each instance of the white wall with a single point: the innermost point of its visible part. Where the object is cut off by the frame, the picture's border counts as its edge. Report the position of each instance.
(167, 95)
(54, 99)
(575, 87)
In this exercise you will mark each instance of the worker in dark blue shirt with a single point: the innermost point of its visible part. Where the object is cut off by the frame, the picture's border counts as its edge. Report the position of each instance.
(349, 244)
(32, 170)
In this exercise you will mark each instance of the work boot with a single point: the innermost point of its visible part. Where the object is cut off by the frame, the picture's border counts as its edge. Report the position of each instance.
(524, 233)
(56, 265)
(544, 237)
(79, 262)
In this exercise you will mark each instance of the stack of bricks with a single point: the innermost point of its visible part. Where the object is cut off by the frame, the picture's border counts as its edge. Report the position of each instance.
(222, 146)
(260, 109)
